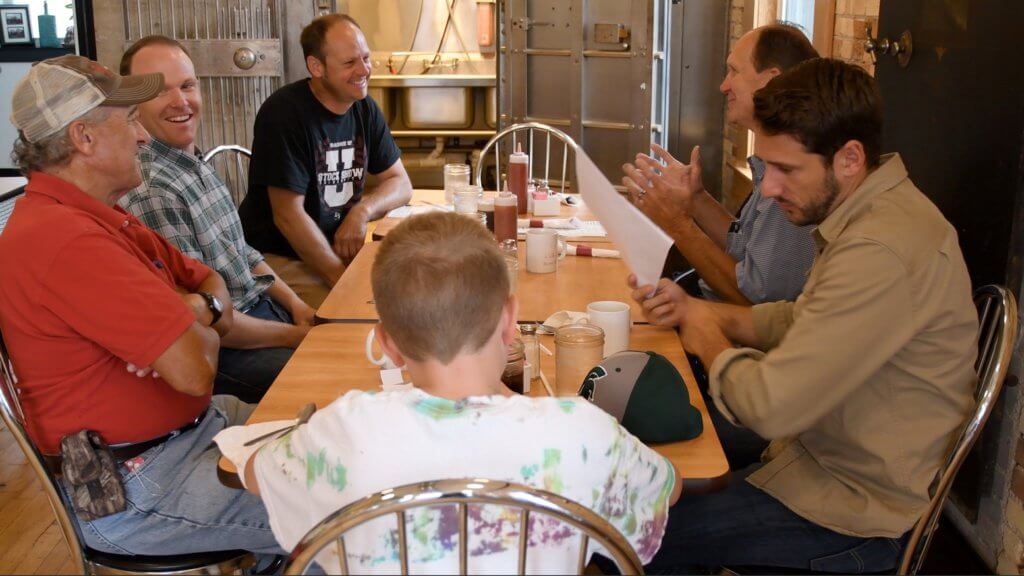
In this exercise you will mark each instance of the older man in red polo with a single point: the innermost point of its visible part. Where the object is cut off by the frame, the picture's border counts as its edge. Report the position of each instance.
(110, 328)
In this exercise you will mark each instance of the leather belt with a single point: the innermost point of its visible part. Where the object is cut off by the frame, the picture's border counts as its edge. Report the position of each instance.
(124, 452)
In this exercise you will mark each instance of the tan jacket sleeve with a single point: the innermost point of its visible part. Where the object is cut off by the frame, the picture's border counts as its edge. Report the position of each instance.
(856, 314)
(771, 322)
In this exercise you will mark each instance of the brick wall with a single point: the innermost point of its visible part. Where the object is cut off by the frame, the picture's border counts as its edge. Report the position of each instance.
(849, 32)
(1011, 558)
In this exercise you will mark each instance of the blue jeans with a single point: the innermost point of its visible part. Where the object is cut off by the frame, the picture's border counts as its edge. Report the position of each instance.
(176, 504)
(743, 526)
(247, 374)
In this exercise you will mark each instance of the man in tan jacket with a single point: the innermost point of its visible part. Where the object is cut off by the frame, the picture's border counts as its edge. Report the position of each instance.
(863, 381)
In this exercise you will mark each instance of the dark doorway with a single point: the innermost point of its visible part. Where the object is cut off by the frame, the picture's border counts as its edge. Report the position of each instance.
(955, 114)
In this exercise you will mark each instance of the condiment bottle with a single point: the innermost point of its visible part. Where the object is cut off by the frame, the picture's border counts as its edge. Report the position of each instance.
(532, 351)
(518, 163)
(542, 190)
(510, 251)
(505, 218)
(486, 208)
(513, 375)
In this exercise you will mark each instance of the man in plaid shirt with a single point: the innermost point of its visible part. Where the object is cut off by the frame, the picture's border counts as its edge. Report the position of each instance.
(183, 199)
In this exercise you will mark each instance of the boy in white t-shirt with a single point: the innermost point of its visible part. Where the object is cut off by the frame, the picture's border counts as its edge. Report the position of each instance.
(446, 314)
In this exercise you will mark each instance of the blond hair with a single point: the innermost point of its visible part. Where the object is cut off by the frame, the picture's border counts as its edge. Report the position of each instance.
(440, 284)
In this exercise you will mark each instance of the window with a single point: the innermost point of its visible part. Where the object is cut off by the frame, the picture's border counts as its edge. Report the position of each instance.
(799, 13)
(815, 17)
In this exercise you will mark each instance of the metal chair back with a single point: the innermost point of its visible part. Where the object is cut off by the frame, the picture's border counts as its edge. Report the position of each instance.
(7, 200)
(463, 492)
(997, 315)
(530, 135)
(86, 560)
(232, 163)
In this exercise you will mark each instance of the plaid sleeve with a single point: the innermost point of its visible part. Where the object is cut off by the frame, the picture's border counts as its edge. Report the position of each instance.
(162, 211)
(252, 256)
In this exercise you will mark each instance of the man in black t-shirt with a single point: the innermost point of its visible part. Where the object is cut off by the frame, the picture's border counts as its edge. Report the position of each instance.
(314, 142)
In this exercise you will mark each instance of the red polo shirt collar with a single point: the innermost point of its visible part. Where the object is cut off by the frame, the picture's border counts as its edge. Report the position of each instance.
(66, 193)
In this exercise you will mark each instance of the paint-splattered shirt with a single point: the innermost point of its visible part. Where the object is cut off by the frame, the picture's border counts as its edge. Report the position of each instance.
(367, 442)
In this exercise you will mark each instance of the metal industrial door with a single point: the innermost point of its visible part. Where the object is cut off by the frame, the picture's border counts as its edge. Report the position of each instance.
(596, 69)
(236, 48)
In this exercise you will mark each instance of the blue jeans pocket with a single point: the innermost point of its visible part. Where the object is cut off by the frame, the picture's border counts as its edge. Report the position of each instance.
(872, 555)
(149, 457)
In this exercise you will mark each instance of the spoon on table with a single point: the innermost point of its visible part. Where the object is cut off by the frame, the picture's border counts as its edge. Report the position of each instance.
(303, 417)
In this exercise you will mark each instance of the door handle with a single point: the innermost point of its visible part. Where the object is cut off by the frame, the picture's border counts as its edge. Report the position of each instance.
(902, 49)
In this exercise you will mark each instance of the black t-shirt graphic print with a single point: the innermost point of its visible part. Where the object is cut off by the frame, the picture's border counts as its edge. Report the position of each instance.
(301, 146)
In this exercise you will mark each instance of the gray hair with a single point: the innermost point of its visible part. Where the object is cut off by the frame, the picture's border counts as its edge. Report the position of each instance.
(54, 150)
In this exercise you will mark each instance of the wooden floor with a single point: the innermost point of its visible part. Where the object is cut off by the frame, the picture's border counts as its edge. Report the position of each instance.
(30, 540)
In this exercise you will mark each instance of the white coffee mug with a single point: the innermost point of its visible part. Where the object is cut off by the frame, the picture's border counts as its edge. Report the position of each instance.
(544, 248)
(385, 361)
(612, 317)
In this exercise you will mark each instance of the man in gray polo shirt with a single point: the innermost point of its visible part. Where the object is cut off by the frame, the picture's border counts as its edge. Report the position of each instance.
(760, 257)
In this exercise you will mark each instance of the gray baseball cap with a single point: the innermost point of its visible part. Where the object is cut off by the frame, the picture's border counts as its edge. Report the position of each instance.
(58, 91)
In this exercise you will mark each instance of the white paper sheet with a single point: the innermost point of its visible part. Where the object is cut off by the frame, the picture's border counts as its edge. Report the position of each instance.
(644, 246)
(406, 211)
(568, 227)
(232, 439)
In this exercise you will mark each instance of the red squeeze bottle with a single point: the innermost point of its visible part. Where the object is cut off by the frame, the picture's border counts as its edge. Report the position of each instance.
(518, 163)
(505, 220)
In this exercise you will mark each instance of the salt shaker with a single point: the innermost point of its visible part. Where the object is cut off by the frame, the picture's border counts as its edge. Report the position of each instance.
(510, 250)
(532, 350)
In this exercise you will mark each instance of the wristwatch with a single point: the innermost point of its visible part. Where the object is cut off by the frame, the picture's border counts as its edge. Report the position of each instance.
(213, 303)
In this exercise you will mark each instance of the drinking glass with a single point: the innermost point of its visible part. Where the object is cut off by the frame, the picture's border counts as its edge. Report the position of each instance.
(455, 175)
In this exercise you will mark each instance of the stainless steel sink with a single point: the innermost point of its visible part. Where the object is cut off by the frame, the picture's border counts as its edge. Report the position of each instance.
(438, 107)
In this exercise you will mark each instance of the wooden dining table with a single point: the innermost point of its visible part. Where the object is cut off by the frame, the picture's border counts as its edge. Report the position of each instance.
(331, 361)
(578, 281)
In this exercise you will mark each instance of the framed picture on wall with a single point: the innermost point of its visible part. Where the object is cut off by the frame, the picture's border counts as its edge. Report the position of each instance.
(15, 27)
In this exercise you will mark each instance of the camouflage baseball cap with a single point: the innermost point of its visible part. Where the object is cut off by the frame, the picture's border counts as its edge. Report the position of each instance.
(58, 91)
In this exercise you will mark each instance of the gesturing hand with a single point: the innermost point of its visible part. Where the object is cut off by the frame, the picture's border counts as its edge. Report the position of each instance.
(668, 306)
(663, 191)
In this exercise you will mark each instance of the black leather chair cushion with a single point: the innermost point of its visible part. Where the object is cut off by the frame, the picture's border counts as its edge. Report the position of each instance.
(163, 563)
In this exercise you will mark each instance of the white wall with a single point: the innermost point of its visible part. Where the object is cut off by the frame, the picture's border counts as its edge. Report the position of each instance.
(10, 74)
